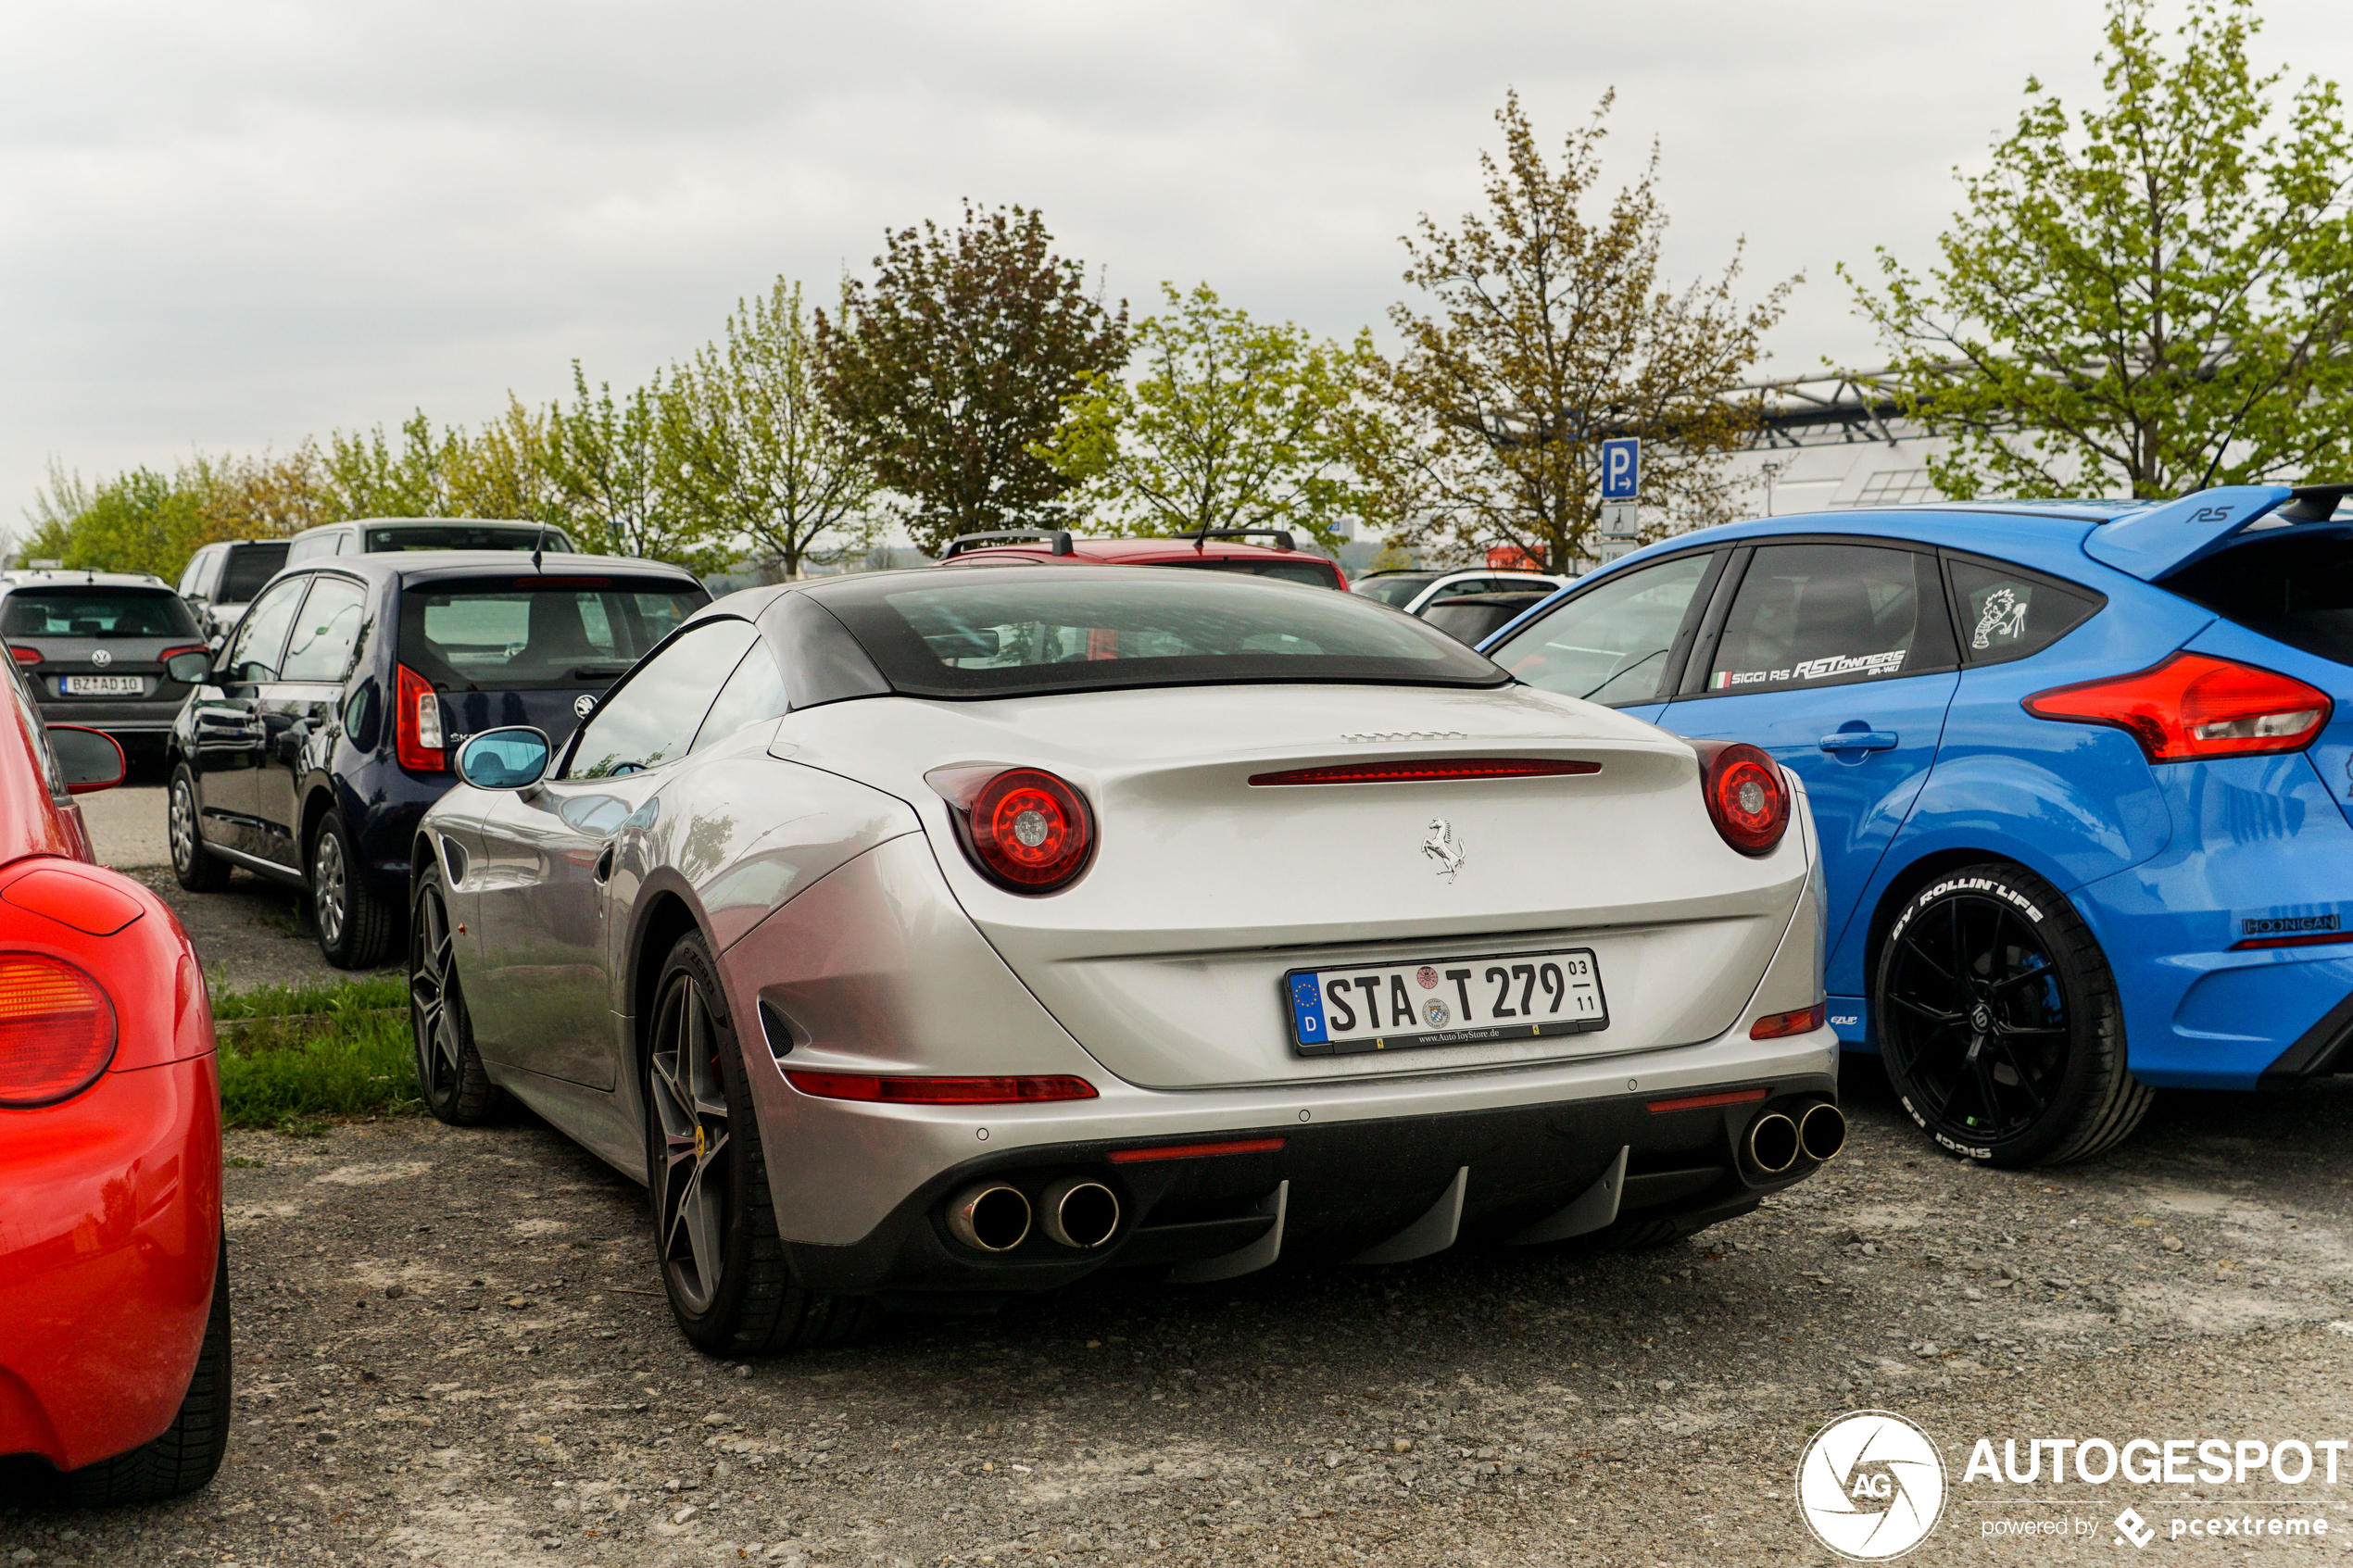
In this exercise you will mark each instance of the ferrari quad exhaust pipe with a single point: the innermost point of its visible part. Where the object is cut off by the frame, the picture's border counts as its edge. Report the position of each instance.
(1771, 1143)
(991, 1217)
(1821, 1131)
(1080, 1213)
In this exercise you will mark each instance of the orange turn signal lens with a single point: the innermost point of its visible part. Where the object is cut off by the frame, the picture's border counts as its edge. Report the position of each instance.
(1779, 1025)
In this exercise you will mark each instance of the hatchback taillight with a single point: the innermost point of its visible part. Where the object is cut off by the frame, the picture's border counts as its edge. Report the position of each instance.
(1747, 798)
(417, 742)
(2194, 705)
(1027, 829)
(25, 655)
(57, 1031)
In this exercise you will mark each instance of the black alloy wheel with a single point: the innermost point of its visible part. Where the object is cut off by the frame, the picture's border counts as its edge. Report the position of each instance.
(449, 1071)
(197, 869)
(723, 1264)
(1999, 1024)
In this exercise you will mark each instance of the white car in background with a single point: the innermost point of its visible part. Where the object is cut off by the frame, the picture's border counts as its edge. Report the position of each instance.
(1416, 591)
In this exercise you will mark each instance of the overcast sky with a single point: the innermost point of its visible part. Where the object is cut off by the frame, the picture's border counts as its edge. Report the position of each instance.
(230, 225)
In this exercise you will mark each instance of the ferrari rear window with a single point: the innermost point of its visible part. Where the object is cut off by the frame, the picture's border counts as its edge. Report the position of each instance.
(1048, 630)
(96, 612)
(537, 634)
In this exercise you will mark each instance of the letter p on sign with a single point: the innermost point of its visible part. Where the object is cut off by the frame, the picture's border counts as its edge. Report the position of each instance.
(1621, 468)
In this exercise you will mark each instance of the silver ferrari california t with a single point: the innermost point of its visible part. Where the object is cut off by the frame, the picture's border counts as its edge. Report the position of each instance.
(925, 937)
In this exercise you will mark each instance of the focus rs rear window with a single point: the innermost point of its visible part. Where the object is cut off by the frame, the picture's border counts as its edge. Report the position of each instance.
(1019, 632)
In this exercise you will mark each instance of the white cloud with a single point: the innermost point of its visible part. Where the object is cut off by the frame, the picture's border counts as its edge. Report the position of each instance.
(236, 224)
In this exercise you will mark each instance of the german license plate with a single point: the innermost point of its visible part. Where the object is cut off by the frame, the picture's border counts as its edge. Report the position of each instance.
(1446, 1002)
(103, 685)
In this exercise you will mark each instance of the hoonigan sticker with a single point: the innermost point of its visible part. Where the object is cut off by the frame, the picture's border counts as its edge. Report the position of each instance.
(1888, 663)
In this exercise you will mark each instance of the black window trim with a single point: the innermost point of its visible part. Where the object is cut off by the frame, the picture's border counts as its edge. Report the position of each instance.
(1703, 653)
(1945, 559)
(299, 580)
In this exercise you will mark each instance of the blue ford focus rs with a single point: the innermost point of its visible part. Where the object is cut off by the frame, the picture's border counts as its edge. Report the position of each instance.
(2084, 796)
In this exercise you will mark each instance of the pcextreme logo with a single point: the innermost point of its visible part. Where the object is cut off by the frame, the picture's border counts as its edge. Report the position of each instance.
(1871, 1485)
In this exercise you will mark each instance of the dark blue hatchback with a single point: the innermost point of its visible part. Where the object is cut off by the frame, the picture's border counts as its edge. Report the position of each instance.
(2082, 772)
(326, 725)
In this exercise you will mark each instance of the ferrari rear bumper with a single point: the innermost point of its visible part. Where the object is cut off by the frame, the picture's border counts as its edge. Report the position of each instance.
(1214, 1205)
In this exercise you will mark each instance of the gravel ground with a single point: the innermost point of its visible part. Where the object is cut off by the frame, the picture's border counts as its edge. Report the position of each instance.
(450, 1351)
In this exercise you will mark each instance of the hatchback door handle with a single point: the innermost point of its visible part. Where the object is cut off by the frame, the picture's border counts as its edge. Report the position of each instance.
(604, 866)
(1861, 740)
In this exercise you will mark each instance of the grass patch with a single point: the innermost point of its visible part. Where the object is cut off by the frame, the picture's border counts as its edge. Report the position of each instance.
(278, 1002)
(351, 1059)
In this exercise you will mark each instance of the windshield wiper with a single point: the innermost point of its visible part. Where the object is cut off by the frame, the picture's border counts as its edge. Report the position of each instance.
(1629, 670)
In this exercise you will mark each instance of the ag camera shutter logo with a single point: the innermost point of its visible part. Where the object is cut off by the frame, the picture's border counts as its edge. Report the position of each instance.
(1871, 1486)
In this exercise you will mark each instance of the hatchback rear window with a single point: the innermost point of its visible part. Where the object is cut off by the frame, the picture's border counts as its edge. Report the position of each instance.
(1398, 591)
(2296, 589)
(250, 567)
(462, 536)
(1045, 629)
(537, 634)
(96, 612)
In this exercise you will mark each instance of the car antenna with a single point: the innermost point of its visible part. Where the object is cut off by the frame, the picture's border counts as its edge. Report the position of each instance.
(538, 543)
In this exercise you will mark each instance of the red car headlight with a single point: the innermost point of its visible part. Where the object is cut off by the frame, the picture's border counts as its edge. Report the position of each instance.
(57, 1031)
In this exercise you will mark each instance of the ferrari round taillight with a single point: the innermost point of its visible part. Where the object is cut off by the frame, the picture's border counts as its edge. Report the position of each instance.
(1029, 831)
(1746, 796)
(57, 1031)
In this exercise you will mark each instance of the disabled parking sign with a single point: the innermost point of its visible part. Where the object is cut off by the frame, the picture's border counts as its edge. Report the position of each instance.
(1621, 468)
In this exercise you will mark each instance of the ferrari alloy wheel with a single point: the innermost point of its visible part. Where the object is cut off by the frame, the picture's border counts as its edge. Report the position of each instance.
(197, 870)
(449, 1071)
(356, 928)
(722, 1263)
(1999, 1022)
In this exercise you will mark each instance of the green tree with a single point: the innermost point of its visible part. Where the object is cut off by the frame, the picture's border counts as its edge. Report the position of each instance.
(146, 520)
(608, 460)
(952, 369)
(749, 448)
(2152, 295)
(1231, 423)
(1553, 332)
(368, 476)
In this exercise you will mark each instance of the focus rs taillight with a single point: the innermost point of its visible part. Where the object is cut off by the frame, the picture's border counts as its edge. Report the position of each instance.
(57, 1031)
(1023, 828)
(1747, 798)
(2193, 706)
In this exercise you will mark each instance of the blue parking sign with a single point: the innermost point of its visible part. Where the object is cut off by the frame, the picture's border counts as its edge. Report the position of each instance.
(1621, 468)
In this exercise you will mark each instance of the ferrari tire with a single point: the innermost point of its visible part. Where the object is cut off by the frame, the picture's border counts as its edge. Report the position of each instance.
(1999, 1022)
(450, 1077)
(196, 869)
(723, 1265)
(356, 927)
(186, 1457)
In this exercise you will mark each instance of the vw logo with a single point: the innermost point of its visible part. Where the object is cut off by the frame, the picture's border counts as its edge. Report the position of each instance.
(1871, 1486)
(102, 658)
(584, 704)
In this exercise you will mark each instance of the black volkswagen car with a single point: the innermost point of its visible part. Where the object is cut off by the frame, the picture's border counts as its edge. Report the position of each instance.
(324, 727)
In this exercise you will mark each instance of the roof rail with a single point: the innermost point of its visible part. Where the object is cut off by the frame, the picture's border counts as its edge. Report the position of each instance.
(963, 542)
(2314, 503)
(1282, 536)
